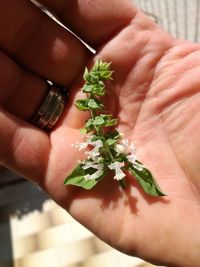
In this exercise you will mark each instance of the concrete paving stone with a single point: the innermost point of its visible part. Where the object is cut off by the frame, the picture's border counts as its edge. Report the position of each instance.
(127, 261)
(80, 232)
(180, 18)
(75, 252)
(49, 205)
(24, 246)
(100, 246)
(104, 259)
(144, 264)
(60, 216)
(29, 224)
(73, 265)
(47, 258)
(55, 236)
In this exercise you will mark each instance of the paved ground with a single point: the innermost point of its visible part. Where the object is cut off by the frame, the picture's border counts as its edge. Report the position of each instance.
(180, 17)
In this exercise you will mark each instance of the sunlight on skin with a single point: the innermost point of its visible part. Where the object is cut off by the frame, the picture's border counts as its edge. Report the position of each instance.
(144, 124)
(152, 94)
(134, 210)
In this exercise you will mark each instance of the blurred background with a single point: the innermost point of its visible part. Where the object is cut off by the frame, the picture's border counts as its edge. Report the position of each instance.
(35, 231)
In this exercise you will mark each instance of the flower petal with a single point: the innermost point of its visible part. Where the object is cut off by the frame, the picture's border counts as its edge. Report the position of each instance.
(116, 166)
(96, 174)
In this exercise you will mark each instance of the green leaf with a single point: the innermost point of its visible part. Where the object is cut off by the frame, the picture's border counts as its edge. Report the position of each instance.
(91, 77)
(102, 69)
(146, 180)
(111, 122)
(88, 104)
(99, 89)
(122, 157)
(106, 74)
(99, 121)
(94, 104)
(111, 141)
(82, 104)
(113, 135)
(83, 131)
(77, 178)
(89, 125)
(85, 75)
(95, 89)
(104, 120)
(88, 88)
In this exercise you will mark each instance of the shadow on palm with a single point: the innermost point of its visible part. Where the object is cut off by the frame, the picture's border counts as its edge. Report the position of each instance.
(155, 109)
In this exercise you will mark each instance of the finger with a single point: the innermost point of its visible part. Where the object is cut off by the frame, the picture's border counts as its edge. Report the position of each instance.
(24, 149)
(94, 21)
(21, 91)
(37, 42)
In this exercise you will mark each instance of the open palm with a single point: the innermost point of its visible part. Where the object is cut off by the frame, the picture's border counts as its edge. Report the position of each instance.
(155, 95)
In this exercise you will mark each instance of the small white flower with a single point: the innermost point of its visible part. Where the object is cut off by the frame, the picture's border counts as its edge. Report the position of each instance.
(119, 148)
(133, 149)
(132, 158)
(125, 147)
(89, 164)
(94, 153)
(130, 148)
(98, 166)
(80, 146)
(116, 166)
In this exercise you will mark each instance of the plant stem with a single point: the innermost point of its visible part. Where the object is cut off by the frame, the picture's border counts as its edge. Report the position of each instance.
(93, 115)
(123, 183)
(101, 134)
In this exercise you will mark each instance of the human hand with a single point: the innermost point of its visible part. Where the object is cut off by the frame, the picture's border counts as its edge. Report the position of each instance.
(155, 95)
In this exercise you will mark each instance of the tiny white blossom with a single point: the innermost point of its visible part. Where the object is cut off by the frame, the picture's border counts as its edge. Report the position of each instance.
(125, 147)
(98, 166)
(89, 164)
(116, 166)
(80, 146)
(133, 148)
(130, 148)
(94, 153)
(119, 148)
(132, 159)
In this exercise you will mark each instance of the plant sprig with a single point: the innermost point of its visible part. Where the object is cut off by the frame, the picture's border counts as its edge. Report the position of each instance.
(108, 151)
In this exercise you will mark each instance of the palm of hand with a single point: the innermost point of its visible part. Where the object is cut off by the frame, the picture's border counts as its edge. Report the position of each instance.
(158, 108)
(155, 95)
